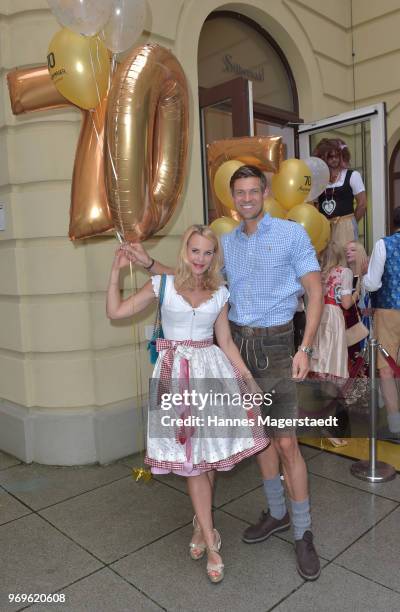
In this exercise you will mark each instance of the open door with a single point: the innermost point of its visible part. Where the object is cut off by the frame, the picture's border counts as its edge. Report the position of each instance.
(226, 111)
(364, 131)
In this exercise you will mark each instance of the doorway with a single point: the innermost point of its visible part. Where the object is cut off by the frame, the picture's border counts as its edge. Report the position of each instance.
(261, 99)
(364, 131)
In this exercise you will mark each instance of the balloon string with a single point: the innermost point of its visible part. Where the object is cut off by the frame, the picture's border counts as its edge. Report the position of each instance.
(113, 66)
(112, 161)
(107, 151)
(103, 142)
(117, 205)
(140, 437)
(93, 70)
(92, 112)
(100, 139)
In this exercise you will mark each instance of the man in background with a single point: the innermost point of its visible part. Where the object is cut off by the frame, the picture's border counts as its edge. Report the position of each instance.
(383, 279)
(345, 186)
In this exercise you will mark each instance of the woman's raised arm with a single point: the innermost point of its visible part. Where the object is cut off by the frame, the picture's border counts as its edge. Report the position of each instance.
(116, 307)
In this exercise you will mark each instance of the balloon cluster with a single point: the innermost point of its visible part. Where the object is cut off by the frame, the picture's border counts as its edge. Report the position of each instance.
(297, 183)
(225, 156)
(78, 59)
(130, 160)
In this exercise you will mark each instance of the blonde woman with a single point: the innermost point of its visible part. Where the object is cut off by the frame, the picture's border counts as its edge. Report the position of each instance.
(330, 358)
(357, 260)
(194, 307)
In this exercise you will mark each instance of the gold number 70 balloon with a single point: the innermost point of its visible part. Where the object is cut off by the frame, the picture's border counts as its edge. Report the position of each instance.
(146, 150)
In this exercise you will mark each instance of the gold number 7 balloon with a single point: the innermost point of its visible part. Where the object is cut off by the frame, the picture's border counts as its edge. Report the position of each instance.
(33, 90)
(146, 141)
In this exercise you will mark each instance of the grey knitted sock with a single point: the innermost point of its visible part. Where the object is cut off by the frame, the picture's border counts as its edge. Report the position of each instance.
(301, 517)
(275, 495)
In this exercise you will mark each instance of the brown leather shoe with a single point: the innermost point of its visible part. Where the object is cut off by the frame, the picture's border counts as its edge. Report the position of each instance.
(266, 526)
(308, 564)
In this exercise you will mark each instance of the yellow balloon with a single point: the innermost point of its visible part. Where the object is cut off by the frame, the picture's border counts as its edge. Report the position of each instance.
(223, 225)
(309, 217)
(325, 235)
(273, 207)
(79, 67)
(292, 184)
(221, 181)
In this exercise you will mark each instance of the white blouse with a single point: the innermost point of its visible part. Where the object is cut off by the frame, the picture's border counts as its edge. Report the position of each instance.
(356, 182)
(180, 321)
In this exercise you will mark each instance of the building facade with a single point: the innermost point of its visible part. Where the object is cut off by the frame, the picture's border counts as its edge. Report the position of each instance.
(72, 383)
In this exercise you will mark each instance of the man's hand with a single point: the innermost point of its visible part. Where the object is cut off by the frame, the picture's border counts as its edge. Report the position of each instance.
(136, 254)
(252, 386)
(300, 365)
(361, 205)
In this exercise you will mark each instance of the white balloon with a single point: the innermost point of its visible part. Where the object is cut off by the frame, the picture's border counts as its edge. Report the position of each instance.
(319, 177)
(82, 16)
(125, 25)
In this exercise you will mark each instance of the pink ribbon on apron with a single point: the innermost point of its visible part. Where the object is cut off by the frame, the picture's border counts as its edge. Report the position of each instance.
(185, 432)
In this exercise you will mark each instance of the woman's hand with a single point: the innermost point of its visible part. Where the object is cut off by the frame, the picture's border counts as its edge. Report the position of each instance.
(121, 259)
(364, 266)
(367, 312)
(136, 254)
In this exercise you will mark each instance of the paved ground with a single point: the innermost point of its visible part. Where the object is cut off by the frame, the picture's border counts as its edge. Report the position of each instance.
(111, 544)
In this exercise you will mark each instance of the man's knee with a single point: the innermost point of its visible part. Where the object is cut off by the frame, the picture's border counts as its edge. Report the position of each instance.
(287, 446)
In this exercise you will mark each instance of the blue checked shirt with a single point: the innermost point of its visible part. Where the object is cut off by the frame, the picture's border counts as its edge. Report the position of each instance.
(263, 271)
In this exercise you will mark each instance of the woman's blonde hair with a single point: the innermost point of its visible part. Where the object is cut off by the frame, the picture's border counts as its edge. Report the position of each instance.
(212, 278)
(357, 267)
(361, 258)
(331, 257)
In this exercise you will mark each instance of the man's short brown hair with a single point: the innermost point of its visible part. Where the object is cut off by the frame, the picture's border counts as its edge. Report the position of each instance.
(248, 172)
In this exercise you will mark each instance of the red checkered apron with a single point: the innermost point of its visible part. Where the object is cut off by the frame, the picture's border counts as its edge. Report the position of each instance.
(184, 434)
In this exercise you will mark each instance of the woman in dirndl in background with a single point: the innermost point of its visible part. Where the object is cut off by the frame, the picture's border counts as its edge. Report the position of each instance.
(194, 307)
(357, 260)
(329, 361)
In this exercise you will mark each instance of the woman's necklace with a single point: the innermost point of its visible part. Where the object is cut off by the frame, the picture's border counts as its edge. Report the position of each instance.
(329, 204)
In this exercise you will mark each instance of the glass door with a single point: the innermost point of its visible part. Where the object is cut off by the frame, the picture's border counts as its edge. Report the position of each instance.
(364, 131)
(226, 111)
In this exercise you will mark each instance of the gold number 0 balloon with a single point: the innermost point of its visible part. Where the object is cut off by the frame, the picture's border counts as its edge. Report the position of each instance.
(146, 141)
